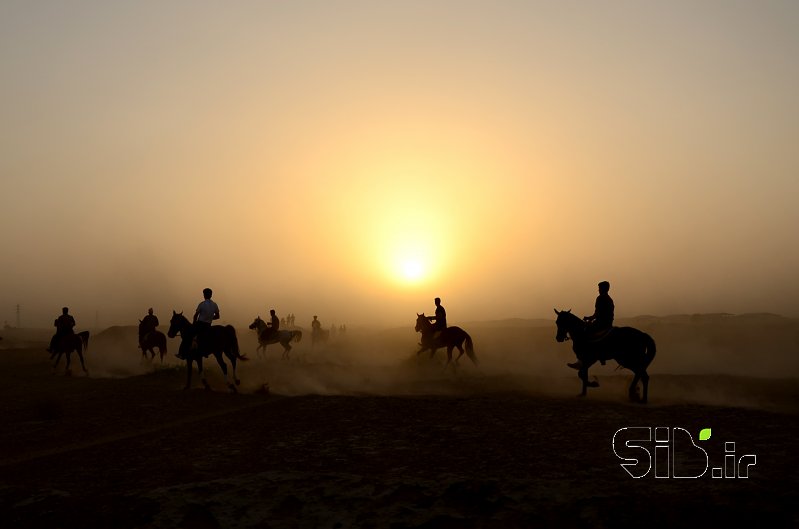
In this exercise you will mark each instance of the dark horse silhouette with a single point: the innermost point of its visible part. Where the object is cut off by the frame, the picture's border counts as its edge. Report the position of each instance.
(631, 348)
(221, 340)
(284, 337)
(66, 344)
(319, 335)
(149, 341)
(451, 337)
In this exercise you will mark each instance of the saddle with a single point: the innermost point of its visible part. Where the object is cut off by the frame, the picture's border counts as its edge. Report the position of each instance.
(144, 337)
(595, 338)
(598, 335)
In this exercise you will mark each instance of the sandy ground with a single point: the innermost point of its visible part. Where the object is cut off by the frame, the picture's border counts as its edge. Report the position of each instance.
(339, 442)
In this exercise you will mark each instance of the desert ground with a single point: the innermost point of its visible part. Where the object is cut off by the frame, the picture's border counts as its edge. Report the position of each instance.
(360, 432)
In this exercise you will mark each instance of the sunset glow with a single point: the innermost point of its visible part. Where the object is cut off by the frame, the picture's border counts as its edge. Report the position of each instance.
(503, 157)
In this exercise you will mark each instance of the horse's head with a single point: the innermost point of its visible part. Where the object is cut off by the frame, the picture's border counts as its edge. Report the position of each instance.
(567, 324)
(177, 323)
(256, 323)
(422, 323)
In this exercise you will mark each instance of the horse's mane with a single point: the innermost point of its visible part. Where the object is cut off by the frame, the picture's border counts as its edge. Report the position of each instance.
(568, 319)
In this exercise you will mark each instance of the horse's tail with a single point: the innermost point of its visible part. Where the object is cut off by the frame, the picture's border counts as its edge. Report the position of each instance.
(234, 342)
(297, 336)
(84, 338)
(470, 348)
(651, 350)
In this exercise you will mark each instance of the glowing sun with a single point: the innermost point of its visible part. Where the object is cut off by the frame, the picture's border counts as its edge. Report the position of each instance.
(412, 270)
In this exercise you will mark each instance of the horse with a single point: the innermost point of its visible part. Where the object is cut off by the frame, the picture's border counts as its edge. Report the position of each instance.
(221, 339)
(68, 343)
(283, 337)
(451, 337)
(631, 348)
(319, 335)
(149, 341)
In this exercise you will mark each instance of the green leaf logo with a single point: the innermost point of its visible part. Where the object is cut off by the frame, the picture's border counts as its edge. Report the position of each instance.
(704, 434)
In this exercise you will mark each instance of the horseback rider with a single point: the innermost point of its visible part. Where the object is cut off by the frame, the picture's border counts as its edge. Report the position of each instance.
(272, 326)
(147, 325)
(439, 321)
(316, 325)
(64, 325)
(206, 312)
(601, 320)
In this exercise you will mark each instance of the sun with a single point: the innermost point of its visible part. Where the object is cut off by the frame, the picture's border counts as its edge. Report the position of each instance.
(412, 270)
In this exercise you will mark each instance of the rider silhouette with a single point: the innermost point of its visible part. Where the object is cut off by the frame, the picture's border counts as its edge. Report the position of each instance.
(206, 312)
(439, 320)
(272, 326)
(601, 320)
(63, 326)
(147, 325)
(316, 325)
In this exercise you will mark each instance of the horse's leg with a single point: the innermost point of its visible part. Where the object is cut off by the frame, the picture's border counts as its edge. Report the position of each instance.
(82, 363)
(460, 353)
(633, 391)
(583, 374)
(201, 372)
(235, 382)
(645, 383)
(188, 373)
(286, 349)
(57, 360)
(223, 367)
(234, 362)
(449, 357)
(69, 361)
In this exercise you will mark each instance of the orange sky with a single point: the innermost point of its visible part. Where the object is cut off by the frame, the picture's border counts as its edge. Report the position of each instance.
(307, 156)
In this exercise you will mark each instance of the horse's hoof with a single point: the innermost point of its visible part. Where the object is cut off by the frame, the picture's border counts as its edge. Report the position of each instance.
(232, 388)
(238, 382)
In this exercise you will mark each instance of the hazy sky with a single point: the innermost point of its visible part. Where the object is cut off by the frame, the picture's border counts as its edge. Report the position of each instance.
(355, 159)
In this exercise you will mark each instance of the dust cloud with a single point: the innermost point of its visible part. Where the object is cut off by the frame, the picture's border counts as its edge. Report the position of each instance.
(715, 359)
